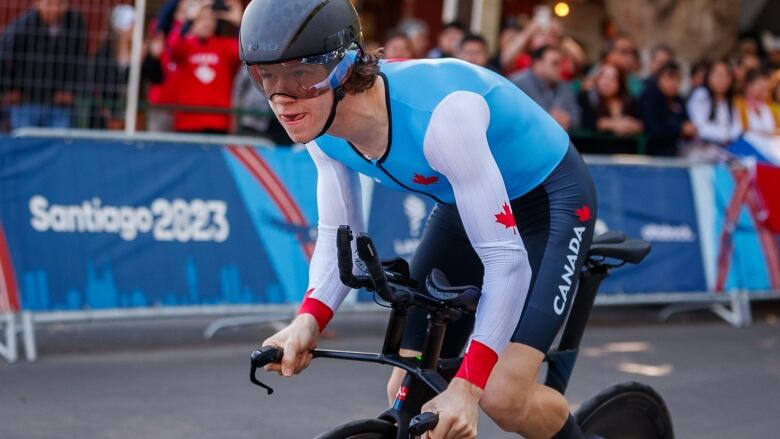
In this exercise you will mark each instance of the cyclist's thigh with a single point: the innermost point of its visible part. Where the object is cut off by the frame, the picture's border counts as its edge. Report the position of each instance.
(556, 222)
(445, 246)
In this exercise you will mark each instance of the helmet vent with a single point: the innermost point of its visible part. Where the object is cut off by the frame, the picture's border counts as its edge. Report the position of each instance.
(305, 23)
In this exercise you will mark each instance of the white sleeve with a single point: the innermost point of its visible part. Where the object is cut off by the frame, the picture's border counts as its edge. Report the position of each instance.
(338, 203)
(699, 108)
(456, 145)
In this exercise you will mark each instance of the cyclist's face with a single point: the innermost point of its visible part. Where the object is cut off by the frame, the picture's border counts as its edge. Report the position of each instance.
(303, 119)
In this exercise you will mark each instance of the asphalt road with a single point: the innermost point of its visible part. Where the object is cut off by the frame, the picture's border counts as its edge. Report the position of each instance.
(159, 379)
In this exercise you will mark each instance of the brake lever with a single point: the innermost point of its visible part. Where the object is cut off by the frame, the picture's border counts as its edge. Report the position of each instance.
(261, 357)
(423, 422)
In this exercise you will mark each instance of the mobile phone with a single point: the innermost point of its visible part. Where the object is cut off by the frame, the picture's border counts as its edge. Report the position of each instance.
(543, 15)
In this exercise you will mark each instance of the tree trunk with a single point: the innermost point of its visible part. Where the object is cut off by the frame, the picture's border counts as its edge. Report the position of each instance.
(694, 28)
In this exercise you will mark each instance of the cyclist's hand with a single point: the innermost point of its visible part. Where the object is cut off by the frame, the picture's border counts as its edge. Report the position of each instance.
(458, 410)
(297, 340)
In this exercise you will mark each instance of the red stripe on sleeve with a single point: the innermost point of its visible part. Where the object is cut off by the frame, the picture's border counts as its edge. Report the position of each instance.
(477, 364)
(321, 312)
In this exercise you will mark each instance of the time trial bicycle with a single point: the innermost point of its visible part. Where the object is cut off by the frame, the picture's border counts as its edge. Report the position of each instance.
(625, 411)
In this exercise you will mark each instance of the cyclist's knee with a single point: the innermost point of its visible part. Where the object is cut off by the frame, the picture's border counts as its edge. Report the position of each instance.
(394, 383)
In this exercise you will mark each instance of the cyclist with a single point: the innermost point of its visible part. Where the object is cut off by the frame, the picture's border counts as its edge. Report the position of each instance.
(515, 203)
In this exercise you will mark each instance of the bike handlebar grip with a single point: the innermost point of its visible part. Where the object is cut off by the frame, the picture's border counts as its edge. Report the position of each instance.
(423, 422)
(267, 355)
(367, 253)
(261, 357)
(344, 250)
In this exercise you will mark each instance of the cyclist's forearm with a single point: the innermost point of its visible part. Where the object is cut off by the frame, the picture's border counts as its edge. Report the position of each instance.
(338, 203)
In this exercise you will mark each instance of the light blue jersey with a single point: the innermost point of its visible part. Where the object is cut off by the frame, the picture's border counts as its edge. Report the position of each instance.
(465, 136)
(526, 143)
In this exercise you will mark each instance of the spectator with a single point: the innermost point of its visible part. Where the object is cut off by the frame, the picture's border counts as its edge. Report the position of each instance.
(516, 54)
(771, 44)
(710, 105)
(474, 49)
(608, 108)
(745, 62)
(753, 110)
(543, 83)
(663, 113)
(109, 70)
(158, 68)
(42, 65)
(509, 32)
(398, 46)
(699, 74)
(448, 40)
(775, 88)
(748, 45)
(256, 117)
(208, 66)
(660, 55)
(418, 33)
(622, 53)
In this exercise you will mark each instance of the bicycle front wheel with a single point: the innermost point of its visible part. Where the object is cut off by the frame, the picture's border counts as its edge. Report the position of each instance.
(626, 411)
(362, 429)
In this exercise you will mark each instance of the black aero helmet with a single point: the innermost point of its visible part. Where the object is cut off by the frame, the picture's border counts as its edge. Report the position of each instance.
(273, 31)
(301, 48)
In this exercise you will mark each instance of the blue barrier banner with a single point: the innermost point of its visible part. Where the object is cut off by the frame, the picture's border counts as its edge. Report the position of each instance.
(648, 202)
(655, 204)
(748, 267)
(96, 224)
(396, 221)
(108, 224)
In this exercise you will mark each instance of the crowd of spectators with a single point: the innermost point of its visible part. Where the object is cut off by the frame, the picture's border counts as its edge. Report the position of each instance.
(619, 105)
(193, 81)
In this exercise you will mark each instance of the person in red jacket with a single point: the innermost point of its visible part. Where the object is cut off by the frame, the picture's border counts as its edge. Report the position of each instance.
(207, 64)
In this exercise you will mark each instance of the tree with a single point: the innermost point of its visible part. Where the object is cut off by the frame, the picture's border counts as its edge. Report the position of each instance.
(695, 28)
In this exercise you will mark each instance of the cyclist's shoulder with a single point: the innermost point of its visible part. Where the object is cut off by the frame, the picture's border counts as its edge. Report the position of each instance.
(425, 83)
(448, 72)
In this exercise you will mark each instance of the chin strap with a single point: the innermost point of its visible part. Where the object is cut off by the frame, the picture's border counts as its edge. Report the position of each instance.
(338, 95)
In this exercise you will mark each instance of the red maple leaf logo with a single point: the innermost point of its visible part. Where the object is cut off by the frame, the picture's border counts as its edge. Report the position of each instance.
(423, 180)
(506, 218)
(583, 213)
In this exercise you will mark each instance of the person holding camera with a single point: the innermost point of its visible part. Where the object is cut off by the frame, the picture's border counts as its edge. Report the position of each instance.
(207, 62)
(41, 63)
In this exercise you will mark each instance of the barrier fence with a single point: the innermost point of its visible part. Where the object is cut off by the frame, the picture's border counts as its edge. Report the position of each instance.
(108, 226)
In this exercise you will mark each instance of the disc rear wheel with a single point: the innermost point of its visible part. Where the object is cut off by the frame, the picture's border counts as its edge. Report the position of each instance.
(362, 429)
(626, 411)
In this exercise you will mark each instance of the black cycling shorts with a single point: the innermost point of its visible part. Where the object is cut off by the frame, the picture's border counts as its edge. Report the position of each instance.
(549, 218)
